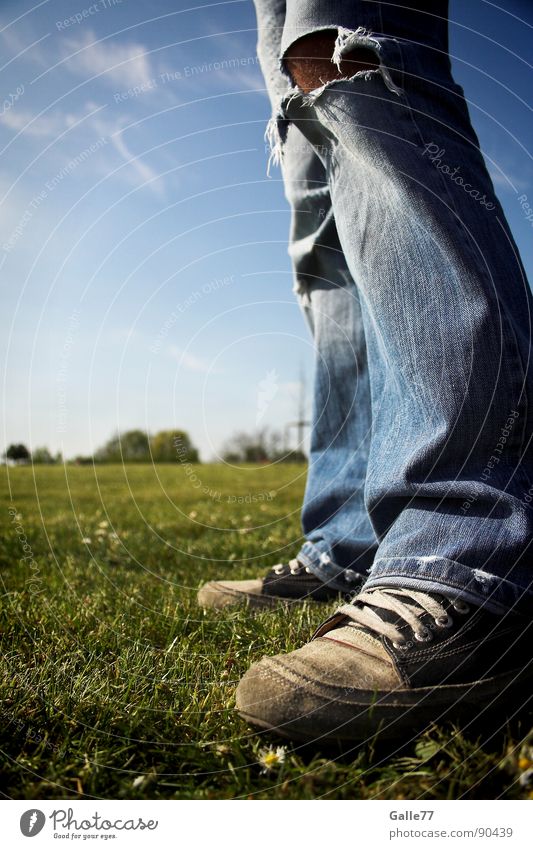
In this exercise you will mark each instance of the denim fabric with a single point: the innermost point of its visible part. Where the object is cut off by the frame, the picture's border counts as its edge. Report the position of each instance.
(421, 465)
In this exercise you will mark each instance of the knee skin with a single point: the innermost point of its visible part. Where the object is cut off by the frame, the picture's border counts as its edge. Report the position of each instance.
(308, 61)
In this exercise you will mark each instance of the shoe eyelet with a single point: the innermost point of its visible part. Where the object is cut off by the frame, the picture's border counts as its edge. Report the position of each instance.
(295, 570)
(350, 576)
(401, 646)
(443, 621)
(460, 606)
(424, 635)
(279, 569)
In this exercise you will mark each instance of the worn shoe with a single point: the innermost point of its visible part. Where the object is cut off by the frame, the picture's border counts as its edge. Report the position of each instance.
(393, 661)
(292, 583)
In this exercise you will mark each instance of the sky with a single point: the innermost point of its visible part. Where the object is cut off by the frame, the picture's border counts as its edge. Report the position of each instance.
(144, 274)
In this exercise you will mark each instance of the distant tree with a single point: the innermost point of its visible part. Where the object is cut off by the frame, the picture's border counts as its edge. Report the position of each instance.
(291, 457)
(18, 453)
(259, 446)
(255, 453)
(133, 446)
(137, 446)
(167, 446)
(42, 456)
(231, 457)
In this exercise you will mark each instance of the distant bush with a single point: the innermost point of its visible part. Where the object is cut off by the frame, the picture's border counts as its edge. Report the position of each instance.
(83, 460)
(17, 453)
(138, 446)
(133, 446)
(290, 457)
(42, 456)
(260, 446)
(170, 445)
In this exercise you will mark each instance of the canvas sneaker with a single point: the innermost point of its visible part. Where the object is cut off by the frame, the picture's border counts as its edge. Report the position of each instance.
(287, 582)
(393, 661)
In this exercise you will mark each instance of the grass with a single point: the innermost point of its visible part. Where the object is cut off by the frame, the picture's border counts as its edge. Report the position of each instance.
(115, 685)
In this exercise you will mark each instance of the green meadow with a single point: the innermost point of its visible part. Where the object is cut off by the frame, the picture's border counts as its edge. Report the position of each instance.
(115, 685)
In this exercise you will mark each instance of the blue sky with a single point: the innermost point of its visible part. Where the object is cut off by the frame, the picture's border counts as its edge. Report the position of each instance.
(144, 274)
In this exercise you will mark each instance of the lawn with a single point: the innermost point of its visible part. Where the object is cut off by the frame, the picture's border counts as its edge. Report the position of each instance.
(115, 685)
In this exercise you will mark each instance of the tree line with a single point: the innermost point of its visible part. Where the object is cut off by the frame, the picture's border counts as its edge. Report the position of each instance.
(132, 446)
(167, 446)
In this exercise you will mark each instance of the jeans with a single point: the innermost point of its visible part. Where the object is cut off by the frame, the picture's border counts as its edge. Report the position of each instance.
(421, 463)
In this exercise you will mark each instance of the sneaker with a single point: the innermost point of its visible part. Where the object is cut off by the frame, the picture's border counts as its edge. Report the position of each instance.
(291, 582)
(392, 661)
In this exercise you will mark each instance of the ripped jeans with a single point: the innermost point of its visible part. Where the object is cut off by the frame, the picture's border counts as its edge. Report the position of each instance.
(421, 460)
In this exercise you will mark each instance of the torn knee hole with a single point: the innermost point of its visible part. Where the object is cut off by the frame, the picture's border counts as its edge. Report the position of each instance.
(310, 61)
(318, 59)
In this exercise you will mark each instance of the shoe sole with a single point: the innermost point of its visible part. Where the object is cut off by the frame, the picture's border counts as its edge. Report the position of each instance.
(227, 598)
(402, 714)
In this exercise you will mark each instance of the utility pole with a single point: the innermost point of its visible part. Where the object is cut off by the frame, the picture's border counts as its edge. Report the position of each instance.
(301, 410)
(301, 423)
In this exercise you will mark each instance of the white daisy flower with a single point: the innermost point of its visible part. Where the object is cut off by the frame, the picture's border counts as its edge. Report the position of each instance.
(272, 758)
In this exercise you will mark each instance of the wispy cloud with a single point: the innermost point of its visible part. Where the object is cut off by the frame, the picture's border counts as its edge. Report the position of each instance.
(95, 122)
(226, 61)
(119, 63)
(190, 361)
(505, 179)
(143, 173)
(44, 126)
(503, 170)
(18, 43)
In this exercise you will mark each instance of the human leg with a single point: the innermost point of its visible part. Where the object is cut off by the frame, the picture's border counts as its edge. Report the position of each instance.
(339, 540)
(443, 623)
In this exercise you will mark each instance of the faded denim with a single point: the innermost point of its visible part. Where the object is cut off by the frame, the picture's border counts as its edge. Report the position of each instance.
(421, 471)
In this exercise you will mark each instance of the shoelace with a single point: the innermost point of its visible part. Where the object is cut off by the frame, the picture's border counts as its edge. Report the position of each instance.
(365, 609)
(294, 565)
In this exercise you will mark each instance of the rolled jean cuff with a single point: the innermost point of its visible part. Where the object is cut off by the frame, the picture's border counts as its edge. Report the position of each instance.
(436, 574)
(317, 558)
